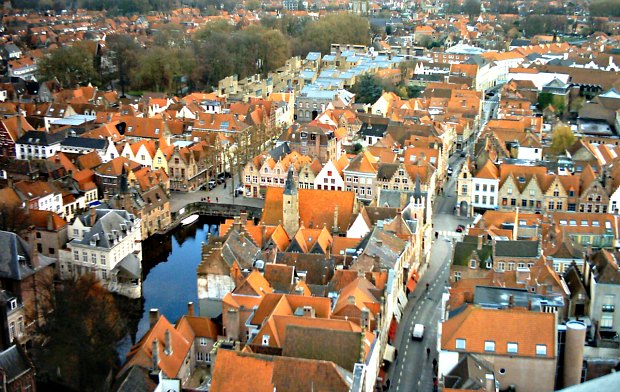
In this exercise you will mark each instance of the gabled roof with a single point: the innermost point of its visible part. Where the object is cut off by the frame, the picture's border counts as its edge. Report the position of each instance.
(141, 354)
(239, 371)
(477, 325)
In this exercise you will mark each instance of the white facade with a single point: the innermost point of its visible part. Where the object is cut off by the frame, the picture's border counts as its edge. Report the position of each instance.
(529, 153)
(614, 202)
(485, 193)
(51, 202)
(28, 151)
(329, 178)
(88, 252)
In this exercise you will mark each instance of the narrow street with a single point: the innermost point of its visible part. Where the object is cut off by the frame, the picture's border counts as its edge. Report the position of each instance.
(413, 369)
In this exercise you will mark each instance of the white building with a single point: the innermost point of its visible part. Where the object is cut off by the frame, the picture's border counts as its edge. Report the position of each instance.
(108, 244)
(38, 145)
(485, 187)
(330, 178)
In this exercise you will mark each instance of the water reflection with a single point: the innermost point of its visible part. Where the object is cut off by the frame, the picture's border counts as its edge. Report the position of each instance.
(169, 269)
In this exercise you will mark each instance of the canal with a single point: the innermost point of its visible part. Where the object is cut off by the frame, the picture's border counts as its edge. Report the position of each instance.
(169, 278)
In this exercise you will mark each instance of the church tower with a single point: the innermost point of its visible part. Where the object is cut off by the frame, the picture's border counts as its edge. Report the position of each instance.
(290, 205)
(418, 202)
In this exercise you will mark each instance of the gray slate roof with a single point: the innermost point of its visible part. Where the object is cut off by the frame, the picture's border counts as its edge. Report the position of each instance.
(41, 138)
(15, 259)
(84, 142)
(14, 363)
(106, 227)
(516, 248)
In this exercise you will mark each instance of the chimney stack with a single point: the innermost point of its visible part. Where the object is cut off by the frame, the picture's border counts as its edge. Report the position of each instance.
(167, 343)
(155, 355)
(365, 319)
(93, 215)
(190, 308)
(573, 353)
(153, 317)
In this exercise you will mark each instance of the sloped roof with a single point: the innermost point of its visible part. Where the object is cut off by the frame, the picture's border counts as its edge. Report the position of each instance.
(477, 325)
(239, 371)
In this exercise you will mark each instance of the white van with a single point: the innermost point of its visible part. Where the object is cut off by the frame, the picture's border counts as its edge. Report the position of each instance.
(418, 332)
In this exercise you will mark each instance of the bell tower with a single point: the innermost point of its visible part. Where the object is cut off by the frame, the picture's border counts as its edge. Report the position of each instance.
(290, 205)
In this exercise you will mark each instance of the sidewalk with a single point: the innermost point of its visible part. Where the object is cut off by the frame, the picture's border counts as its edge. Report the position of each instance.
(218, 194)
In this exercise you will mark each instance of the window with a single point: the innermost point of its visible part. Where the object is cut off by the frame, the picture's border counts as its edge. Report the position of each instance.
(607, 321)
(509, 190)
(457, 276)
(460, 344)
(492, 200)
(203, 341)
(571, 193)
(512, 348)
(523, 203)
(472, 263)
(76, 232)
(102, 259)
(484, 188)
(559, 206)
(492, 188)
(104, 274)
(551, 204)
(609, 303)
(85, 257)
(464, 189)
(489, 345)
(532, 192)
(76, 255)
(93, 258)
(541, 349)
(501, 266)
(476, 199)
(556, 193)
(477, 187)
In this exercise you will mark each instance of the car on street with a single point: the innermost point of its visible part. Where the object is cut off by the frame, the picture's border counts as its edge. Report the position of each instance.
(450, 170)
(460, 228)
(239, 191)
(463, 154)
(418, 332)
(212, 184)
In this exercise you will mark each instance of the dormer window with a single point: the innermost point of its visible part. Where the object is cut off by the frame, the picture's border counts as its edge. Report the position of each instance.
(472, 263)
(489, 346)
(12, 303)
(461, 344)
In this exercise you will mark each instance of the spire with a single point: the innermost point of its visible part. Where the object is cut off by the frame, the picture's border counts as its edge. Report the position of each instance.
(417, 191)
(290, 187)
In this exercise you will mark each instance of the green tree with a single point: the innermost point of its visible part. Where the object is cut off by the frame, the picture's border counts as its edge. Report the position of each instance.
(367, 90)
(334, 28)
(123, 50)
(472, 7)
(71, 65)
(80, 335)
(562, 138)
(157, 69)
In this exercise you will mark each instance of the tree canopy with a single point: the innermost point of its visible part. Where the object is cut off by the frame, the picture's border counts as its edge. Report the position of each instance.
(81, 333)
(562, 138)
(71, 65)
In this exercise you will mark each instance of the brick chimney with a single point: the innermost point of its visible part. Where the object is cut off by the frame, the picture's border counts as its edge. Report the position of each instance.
(190, 308)
(153, 317)
(93, 215)
(155, 355)
(167, 343)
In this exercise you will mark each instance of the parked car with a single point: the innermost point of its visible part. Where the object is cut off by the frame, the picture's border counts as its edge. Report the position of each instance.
(450, 170)
(239, 191)
(460, 228)
(212, 184)
(463, 154)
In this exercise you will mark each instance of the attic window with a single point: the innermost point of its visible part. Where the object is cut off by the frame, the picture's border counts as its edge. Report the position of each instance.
(129, 128)
(156, 131)
(573, 222)
(541, 349)
(461, 344)
(472, 263)
(595, 223)
(584, 223)
(489, 345)
(522, 180)
(563, 222)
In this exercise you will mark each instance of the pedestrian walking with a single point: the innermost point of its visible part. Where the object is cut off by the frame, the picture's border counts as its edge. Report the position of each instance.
(428, 352)
(217, 199)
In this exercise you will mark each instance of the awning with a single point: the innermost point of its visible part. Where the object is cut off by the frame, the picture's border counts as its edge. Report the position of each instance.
(389, 354)
(413, 281)
(393, 329)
